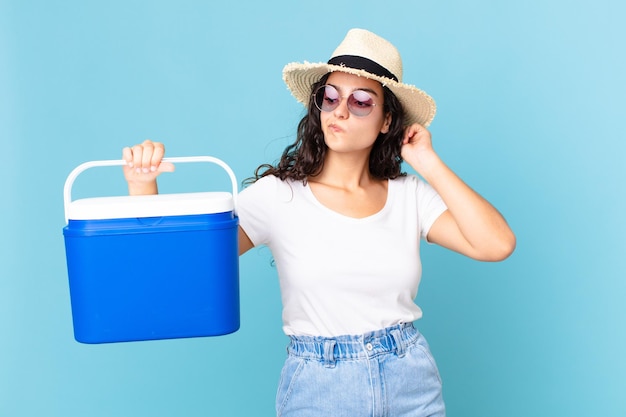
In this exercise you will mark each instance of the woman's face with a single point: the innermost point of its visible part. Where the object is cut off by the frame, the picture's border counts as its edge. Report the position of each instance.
(345, 132)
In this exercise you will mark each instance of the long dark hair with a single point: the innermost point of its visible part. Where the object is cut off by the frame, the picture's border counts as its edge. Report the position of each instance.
(305, 157)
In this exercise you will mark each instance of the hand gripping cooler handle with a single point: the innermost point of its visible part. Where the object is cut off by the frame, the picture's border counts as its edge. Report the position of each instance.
(67, 189)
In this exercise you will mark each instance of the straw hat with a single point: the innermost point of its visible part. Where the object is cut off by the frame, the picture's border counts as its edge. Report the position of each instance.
(365, 54)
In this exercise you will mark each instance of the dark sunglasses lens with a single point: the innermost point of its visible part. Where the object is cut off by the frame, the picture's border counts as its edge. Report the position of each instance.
(360, 103)
(327, 98)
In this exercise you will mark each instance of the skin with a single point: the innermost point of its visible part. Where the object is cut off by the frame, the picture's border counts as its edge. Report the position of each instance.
(345, 185)
(471, 225)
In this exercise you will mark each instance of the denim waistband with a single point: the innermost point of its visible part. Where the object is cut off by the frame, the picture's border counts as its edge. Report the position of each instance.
(393, 339)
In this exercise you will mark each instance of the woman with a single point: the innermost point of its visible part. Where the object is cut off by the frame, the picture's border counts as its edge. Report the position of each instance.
(344, 226)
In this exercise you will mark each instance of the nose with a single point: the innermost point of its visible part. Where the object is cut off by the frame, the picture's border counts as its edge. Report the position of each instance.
(342, 112)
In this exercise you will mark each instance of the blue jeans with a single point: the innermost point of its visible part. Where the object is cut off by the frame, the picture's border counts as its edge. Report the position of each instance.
(389, 372)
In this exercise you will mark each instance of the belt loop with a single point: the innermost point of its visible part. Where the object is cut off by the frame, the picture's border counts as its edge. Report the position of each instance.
(329, 357)
(395, 333)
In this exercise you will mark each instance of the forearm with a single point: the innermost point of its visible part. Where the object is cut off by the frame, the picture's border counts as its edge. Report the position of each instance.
(485, 230)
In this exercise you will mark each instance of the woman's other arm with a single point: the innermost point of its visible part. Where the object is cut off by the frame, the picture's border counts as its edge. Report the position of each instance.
(471, 225)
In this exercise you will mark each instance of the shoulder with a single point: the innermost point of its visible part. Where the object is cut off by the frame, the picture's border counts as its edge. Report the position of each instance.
(272, 181)
(414, 188)
(270, 187)
(407, 182)
(263, 183)
(412, 180)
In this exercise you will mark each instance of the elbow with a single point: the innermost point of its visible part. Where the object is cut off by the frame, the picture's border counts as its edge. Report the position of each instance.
(501, 249)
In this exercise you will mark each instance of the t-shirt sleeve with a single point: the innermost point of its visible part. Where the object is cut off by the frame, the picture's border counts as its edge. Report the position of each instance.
(430, 206)
(255, 209)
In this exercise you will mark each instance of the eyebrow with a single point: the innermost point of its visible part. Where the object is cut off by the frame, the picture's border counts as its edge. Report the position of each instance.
(369, 90)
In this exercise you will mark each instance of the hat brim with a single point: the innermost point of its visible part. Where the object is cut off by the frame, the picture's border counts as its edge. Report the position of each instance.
(419, 107)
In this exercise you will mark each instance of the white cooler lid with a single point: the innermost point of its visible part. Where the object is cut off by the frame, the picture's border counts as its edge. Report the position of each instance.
(100, 208)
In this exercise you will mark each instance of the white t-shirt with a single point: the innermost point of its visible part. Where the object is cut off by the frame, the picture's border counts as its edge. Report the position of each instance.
(341, 275)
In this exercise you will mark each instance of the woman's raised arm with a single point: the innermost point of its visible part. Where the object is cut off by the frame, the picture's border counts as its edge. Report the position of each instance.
(471, 225)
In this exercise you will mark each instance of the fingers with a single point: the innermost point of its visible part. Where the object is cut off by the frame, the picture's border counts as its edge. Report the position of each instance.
(127, 155)
(409, 132)
(142, 156)
(157, 156)
(165, 167)
(145, 157)
(156, 162)
(415, 132)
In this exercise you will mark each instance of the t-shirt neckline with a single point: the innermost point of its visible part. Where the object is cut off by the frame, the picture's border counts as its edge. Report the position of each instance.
(313, 198)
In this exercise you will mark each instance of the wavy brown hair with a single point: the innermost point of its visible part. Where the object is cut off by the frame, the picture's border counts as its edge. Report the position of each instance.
(305, 157)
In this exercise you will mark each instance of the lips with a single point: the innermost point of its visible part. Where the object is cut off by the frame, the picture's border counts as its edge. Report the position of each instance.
(335, 128)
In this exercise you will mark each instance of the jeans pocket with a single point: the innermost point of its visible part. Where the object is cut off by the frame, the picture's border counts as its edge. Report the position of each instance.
(429, 360)
(291, 369)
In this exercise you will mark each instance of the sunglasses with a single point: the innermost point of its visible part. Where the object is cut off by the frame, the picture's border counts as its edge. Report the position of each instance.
(327, 98)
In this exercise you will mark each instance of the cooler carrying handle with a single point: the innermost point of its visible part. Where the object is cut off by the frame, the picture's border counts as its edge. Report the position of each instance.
(67, 189)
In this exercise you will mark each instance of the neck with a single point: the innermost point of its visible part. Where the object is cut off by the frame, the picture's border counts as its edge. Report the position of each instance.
(346, 171)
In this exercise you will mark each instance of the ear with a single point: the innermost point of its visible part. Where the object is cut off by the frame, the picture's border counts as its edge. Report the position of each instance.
(386, 124)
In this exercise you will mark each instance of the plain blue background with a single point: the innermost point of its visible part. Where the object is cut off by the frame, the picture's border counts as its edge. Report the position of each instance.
(530, 113)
